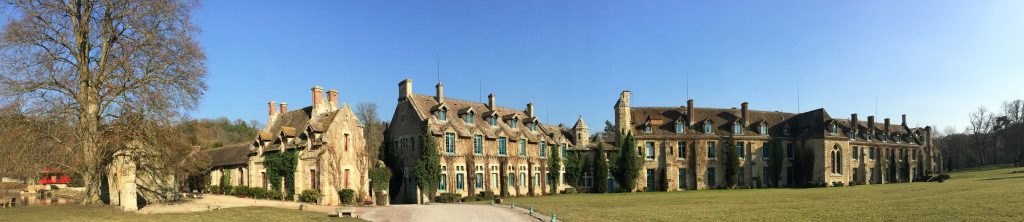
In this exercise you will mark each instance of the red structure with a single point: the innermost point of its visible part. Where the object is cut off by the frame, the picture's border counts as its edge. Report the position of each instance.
(53, 176)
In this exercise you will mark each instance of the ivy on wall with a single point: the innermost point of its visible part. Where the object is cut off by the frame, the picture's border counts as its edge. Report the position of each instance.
(282, 165)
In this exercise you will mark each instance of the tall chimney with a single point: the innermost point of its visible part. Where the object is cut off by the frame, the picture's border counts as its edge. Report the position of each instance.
(871, 124)
(404, 89)
(904, 123)
(743, 110)
(284, 107)
(887, 125)
(529, 109)
(689, 112)
(318, 97)
(490, 101)
(440, 93)
(332, 99)
(853, 120)
(271, 108)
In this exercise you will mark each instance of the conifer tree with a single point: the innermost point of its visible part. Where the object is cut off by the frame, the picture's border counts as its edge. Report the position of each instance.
(775, 164)
(600, 170)
(428, 168)
(731, 163)
(628, 164)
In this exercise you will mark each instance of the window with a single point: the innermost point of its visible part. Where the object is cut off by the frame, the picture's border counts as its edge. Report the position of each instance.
(443, 185)
(502, 151)
(478, 144)
(346, 177)
(494, 180)
(650, 151)
(533, 127)
(855, 153)
(263, 176)
(522, 147)
(449, 139)
(588, 180)
(513, 123)
(785, 130)
(740, 177)
(469, 118)
(543, 150)
(871, 153)
(346, 142)
(766, 174)
(650, 180)
(682, 178)
(522, 179)
(647, 127)
(563, 151)
(536, 179)
(763, 129)
(442, 114)
(707, 127)
(837, 163)
(789, 151)
(832, 129)
(459, 181)
(680, 127)
(682, 150)
(312, 179)
(711, 177)
(765, 152)
(511, 179)
(737, 128)
(479, 180)
(711, 150)
(739, 150)
(493, 121)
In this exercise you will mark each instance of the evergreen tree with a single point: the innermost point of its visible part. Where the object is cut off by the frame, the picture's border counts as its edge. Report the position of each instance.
(573, 169)
(731, 163)
(428, 168)
(629, 164)
(776, 163)
(554, 167)
(600, 170)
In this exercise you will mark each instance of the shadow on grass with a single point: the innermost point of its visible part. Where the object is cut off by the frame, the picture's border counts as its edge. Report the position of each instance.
(1001, 178)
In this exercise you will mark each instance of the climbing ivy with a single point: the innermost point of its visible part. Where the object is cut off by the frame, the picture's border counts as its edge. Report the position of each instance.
(282, 164)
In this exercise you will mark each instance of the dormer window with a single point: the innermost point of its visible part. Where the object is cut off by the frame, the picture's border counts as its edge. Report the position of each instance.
(707, 127)
(763, 129)
(493, 121)
(785, 130)
(737, 128)
(513, 123)
(533, 127)
(647, 127)
(469, 118)
(832, 129)
(680, 127)
(442, 114)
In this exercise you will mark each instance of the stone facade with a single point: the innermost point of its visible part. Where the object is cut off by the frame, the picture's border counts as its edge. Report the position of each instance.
(469, 136)
(675, 142)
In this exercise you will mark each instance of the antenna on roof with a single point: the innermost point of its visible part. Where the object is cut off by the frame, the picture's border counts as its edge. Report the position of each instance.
(437, 56)
(688, 86)
(798, 94)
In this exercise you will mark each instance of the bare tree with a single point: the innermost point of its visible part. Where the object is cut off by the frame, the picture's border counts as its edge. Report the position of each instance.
(89, 63)
(981, 126)
(373, 127)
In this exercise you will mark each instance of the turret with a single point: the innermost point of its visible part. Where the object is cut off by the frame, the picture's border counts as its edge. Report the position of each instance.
(623, 113)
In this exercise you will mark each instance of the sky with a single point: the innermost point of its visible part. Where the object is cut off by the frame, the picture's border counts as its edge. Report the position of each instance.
(934, 60)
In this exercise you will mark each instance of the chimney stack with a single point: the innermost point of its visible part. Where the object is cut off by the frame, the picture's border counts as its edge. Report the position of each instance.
(271, 111)
(284, 108)
(886, 125)
(440, 93)
(404, 89)
(318, 97)
(490, 101)
(529, 109)
(332, 99)
(904, 123)
(743, 110)
(871, 124)
(689, 112)
(853, 120)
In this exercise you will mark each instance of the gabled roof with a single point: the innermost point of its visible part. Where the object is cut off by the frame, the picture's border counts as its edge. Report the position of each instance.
(423, 104)
(234, 154)
(721, 119)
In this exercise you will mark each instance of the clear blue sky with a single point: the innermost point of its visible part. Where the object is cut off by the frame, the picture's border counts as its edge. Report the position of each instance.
(933, 60)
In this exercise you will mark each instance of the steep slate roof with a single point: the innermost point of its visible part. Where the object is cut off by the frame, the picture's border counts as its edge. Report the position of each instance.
(721, 119)
(425, 104)
(295, 119)
(234, 154)
(294, 122)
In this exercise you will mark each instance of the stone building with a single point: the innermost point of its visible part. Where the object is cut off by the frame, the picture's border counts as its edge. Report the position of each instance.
(326, 137)
(231, 161)
(482, 145)
(680, 146)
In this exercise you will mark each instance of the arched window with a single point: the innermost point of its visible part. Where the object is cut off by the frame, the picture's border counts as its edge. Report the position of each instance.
(837, 160)
(737, 128)
(707, 127)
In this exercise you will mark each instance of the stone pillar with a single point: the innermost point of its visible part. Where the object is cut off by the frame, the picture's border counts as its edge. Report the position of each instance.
(129, 199)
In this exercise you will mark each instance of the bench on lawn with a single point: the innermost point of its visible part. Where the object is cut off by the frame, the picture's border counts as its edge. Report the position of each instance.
(343, 212)
(12, 204)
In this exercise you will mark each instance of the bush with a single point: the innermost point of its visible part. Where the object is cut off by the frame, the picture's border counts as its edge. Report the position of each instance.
(242, 191)
(258, 192)
(226, 190)
(309, 196)
(486, 195)
(569, 191)
(470, 198)
(837, 184)
(54, 187)
(448, 198)
(274, 195)
(347, 196)
(214, 189)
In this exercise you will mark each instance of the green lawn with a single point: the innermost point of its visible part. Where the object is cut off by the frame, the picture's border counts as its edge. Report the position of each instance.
(976, 195)
(98, 213)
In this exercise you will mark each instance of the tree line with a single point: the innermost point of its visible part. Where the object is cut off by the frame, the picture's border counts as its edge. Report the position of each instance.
(991, 137)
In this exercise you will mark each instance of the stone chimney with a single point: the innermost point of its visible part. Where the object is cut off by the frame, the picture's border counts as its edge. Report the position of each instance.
(853, 120)
(318, 98)
(871, 124)
(284, 108)
(332, 99)
(490, 101)
(689, 112)
(271, 111)
(886, 126)
(743, 111)
(529, 109)
(440, 93)
(404, 89)
(904, 122)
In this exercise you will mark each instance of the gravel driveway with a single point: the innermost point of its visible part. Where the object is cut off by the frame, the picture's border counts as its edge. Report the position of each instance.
(442, 213)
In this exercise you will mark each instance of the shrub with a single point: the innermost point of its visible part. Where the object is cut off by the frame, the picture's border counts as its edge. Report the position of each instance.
(54, 187)
(837, 183)
(470, 198)
(486, 195)
(448, 198)
(214, 189)
(273, 194)
(258, 192)
(570, 190)
(309, 196)
(347, 196)
(226, 190)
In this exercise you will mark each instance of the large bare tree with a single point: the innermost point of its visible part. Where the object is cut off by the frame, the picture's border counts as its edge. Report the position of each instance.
(981, 126)
(90, 62)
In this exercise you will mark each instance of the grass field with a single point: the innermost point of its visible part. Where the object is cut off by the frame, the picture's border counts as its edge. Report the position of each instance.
(992, 194)
(97, 213)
